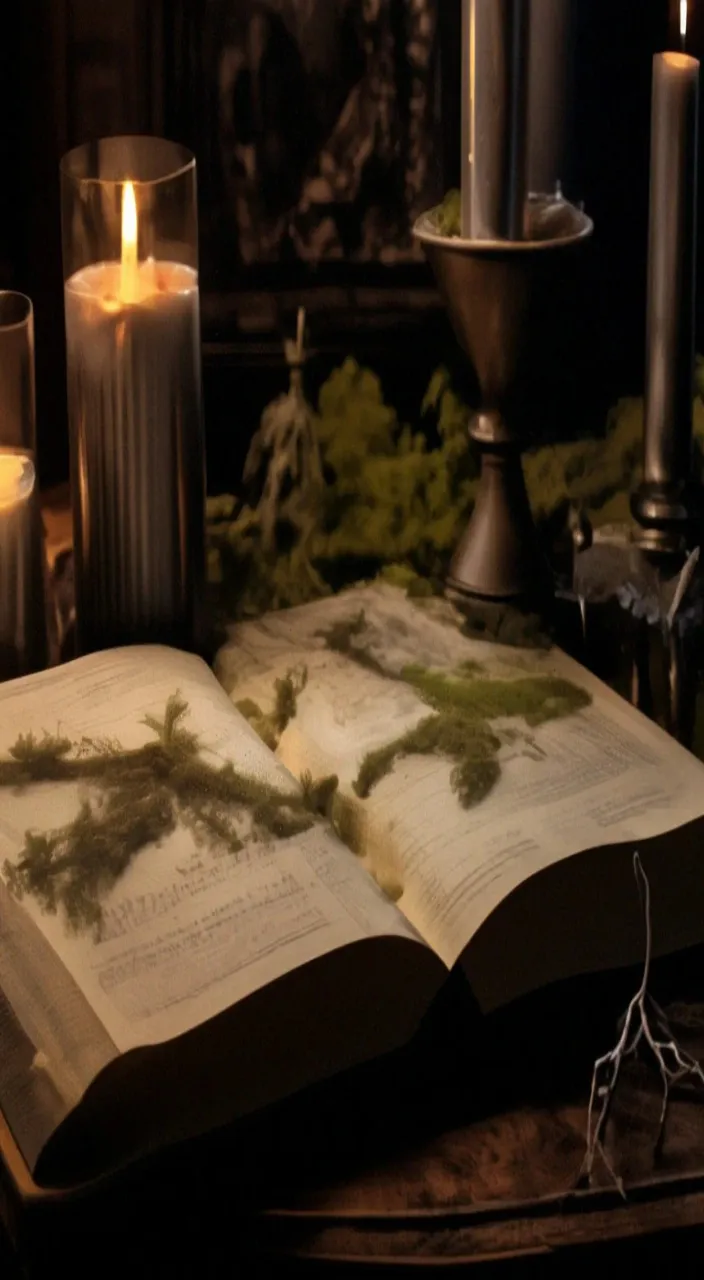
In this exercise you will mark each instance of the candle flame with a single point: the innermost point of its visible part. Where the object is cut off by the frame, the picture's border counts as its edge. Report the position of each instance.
(16, 479)
(129, 278)
(684, 8)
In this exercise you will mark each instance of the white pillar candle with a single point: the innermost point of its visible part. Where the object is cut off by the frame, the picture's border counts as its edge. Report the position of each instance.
(134, 397)
(135, 415)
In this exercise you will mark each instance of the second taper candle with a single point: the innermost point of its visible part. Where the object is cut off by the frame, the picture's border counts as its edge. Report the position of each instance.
(672, 258)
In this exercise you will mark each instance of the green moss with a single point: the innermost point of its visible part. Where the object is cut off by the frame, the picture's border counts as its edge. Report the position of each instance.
(319, 793)
(473, 780)
(464, 704)
(271, 725)
(447, 216)
(339, 637)
(136, 798)
(406, 578)
(536, 699)
(473, 747)
(250, 710)
(348, 822)
(342, 637)
(287, 692)
(470, 668)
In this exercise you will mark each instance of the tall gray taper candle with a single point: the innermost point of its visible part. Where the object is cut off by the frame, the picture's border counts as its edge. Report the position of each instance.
(552, 50)
(495, 57)
(672, 259)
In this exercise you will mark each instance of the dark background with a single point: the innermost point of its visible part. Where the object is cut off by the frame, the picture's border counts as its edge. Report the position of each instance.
(78, 69)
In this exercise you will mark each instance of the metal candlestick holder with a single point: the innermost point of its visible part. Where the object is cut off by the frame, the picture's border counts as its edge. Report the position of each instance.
(491, 288)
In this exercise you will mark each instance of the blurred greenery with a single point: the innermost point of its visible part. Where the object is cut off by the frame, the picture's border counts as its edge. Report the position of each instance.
(396, 496)
(447, 216)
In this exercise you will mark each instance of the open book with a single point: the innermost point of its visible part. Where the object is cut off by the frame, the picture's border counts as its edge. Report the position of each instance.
(214, 893)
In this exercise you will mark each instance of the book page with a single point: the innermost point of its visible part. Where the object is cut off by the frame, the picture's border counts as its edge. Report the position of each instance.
(51, 1043)
(156, 845)
(465, 767)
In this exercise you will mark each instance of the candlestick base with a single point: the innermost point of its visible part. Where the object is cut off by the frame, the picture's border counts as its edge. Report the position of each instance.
(670, 515)
(490, 289)
(499, 556)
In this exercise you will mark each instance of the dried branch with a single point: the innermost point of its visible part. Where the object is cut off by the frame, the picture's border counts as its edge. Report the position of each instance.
(684, 582)
(644, 1024)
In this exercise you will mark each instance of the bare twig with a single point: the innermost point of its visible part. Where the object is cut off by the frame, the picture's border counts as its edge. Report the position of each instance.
(645, 1024)
(683, 585)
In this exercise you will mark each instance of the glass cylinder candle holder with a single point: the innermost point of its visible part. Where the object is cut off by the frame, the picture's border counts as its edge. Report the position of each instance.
(23, 603)
(17, 406)
(130, 250)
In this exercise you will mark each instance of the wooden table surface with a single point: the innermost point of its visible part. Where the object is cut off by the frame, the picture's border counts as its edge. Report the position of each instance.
(463, 1150)
(492, 1172)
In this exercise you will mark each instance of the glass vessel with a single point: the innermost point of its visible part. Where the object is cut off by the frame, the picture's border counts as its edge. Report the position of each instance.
(23, 615)
(130, 253)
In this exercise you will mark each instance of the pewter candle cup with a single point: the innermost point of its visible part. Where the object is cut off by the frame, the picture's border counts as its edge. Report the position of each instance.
(134, 392)
(23, 611)
(491, 290)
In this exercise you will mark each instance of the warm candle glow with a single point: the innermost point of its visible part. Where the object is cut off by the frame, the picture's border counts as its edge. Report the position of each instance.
(129, 275)
(683, 18)
(16, 479)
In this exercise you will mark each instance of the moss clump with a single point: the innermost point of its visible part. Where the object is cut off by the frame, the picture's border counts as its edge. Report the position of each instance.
(342, 638)
(470, 668)
(348, 823)
(136, 799)
(461, 729)
(447, 217)
(536, 699)
(472, 746)
(270, 725)
(319, 793)
(465, 702)
(415, 586)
